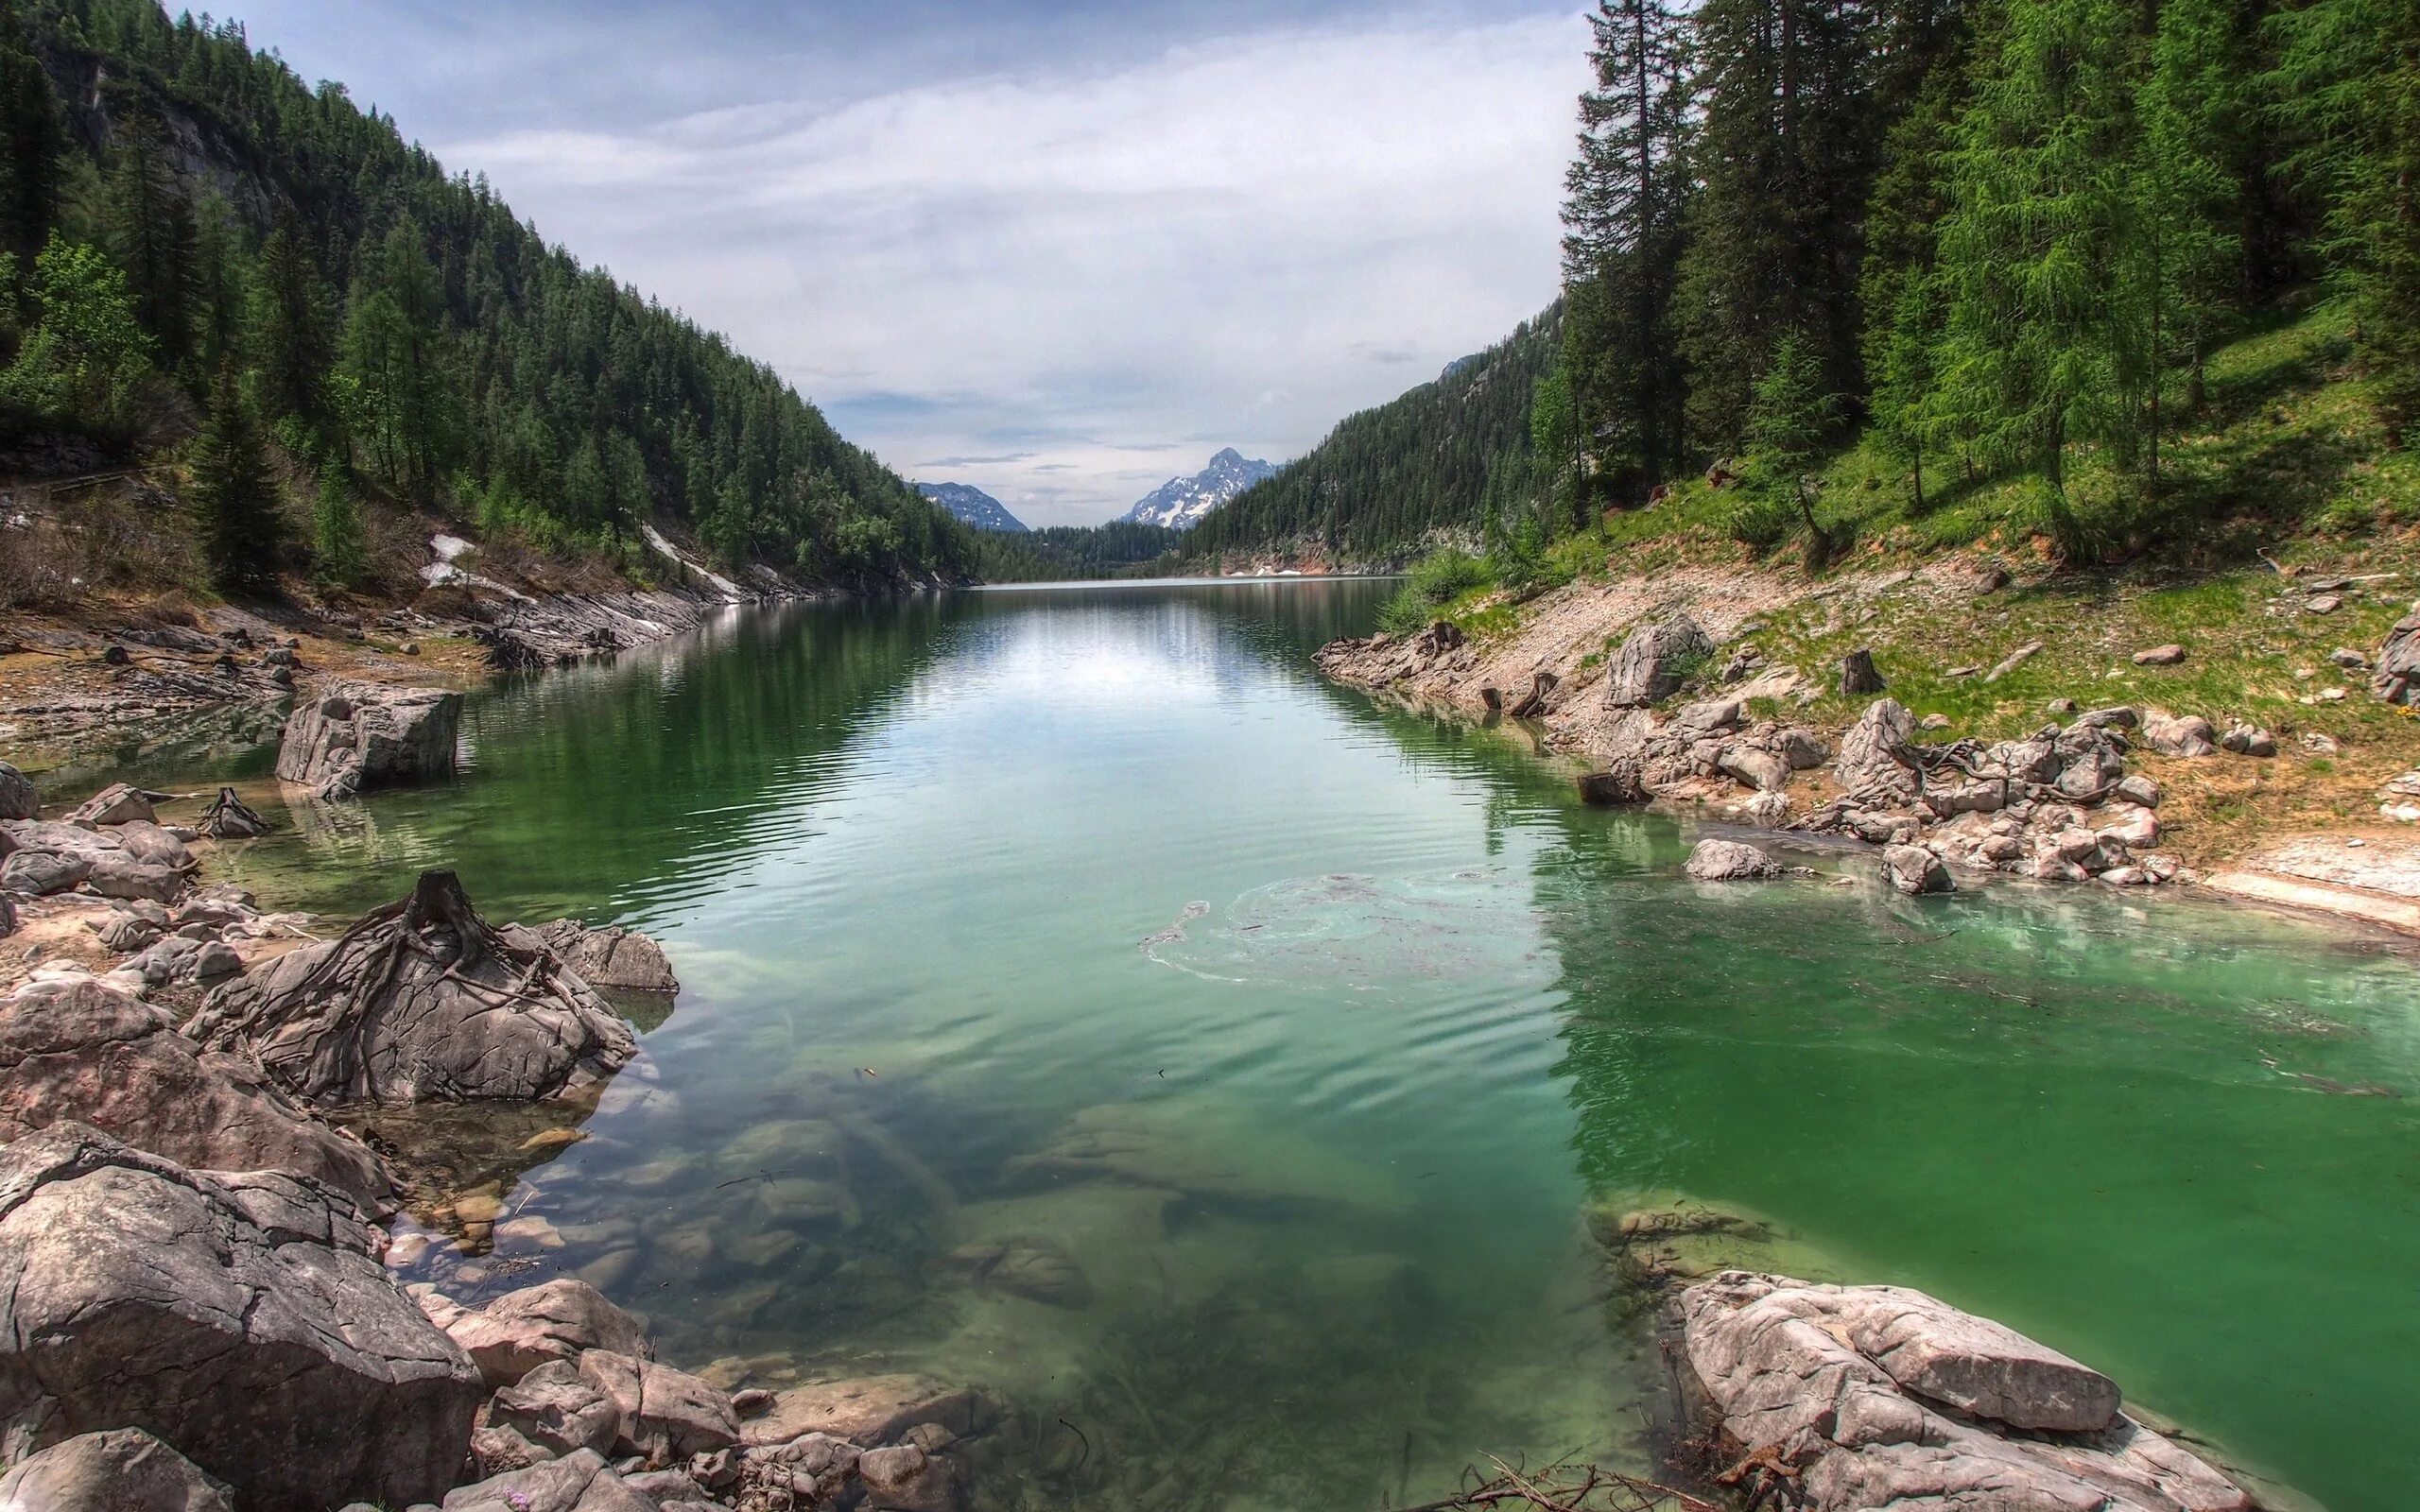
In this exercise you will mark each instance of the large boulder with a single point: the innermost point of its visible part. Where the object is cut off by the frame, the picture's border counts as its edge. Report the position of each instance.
(619, 959)
(355, 735)
(557, 1409)
(665, 1415)
(1872, 764)
(117, 804)
(2398, 677)
(423, 1000)
(78, 1049)
(121, 1470)
(1876, 1396)
(17, 799)
(1652, 663)
(240, 1318)
(1914, 870)
(40, 874)
(554, 1321)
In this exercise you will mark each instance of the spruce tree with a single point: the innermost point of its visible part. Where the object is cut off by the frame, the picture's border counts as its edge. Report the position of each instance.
(339, 549)
(1790, 424)
(233, 492)
(154, 235)
(393, 350)
(293, 345)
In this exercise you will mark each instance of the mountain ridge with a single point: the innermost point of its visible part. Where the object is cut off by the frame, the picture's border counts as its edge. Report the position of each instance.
(974, 506)
(1181, 503)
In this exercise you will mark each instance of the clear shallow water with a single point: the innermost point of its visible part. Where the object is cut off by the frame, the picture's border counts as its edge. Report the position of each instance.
(1305, 1031)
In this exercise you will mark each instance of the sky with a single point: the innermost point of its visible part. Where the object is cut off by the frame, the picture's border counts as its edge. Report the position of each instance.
(1061, 251)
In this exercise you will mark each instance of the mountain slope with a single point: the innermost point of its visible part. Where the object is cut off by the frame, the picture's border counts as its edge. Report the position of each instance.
(1437, 459)
(1180, 503)
(400, 335)
(972, 506)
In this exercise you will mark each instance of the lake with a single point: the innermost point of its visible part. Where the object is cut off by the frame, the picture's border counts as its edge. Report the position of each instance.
(1283, 1041)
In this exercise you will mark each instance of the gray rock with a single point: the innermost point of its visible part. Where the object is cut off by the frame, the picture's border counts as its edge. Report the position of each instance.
(355, 735)
(577, 1482)
(2138, 790)
(421, 1001)
(2189, 735)
(621, 959)
(2249, 740)
(870, 1410)
(2123, 716)
(17, 798)
(904, 1478)
(148, 843)
(1729, 861)
(1650, 665)
(66, 839)
(1760, 770)
(41, 873)
(1872, 764)
(1802, 749)
(556, 1409)
(1915, 870)
(2025, 760)
(122, 876)
(1035, 1268)
(2160, 655)
(1711, 717)
(1619, 784)
(554, 1321)
(83, 1051)
(1977, 796)
(241, 1318)
(119, 1470)
(126, 932)
(7, 916)
(1839, 1385)
(665, 1415)
(114, 805)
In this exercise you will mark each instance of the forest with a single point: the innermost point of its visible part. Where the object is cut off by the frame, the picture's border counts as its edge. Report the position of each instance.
(1990, 248)
(207, 264)
(1072, 553)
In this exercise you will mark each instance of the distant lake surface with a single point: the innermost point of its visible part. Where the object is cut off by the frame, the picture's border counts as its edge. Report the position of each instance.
(1287, 1039)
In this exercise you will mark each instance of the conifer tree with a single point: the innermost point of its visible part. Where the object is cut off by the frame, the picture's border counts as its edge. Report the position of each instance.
(233, 492)
(1791, 426)
(292, 343)
(31, 141)
(154, 235)
(339, 551)
(393, 352)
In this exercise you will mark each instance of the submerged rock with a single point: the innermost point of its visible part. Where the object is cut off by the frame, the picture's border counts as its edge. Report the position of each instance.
(240, 1318)
(1034, 1268)
(120, 1470)
(363, 734)
(83, 1051)
(870, 1410)
(1871, 1396)
(423, 1000)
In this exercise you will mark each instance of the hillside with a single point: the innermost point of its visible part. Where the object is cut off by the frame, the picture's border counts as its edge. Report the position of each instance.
(972, 506)
(1180, 504)
(1057, 554)
(288, 316)
(1452, 457)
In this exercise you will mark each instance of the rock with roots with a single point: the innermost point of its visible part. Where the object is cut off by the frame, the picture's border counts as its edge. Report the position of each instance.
(230, 818)
(1873, 765)
(423, 1000)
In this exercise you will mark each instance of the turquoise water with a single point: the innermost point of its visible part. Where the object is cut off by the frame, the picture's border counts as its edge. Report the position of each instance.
(1304, 1030)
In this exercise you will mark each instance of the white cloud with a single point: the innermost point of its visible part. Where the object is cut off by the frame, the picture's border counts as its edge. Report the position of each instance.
(1097, 275)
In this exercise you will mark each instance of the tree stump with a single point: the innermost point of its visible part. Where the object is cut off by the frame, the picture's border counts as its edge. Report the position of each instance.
(1858, 677)
(1533, 703)
(230, 818)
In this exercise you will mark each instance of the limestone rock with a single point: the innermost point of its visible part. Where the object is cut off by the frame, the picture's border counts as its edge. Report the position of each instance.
(124, 877)
(119, 1470)
(1872, 764)
(421, 1001)
(1760, 772)
(148, 843)
(1841, 1389)
(621, 959)
(577, 1482)
(114, 805)
(240, 1318)
(557, 1320)
(1622, 784)
(41, 873)
(2160, 655)
(555, 1408)
(17, 799)
(665, 1414)
(1914, 870)
(1650, 666)
(2397, 678)
(83, 1051)
(906, 1479)
(355, 735)
(1729, 861)
(2249, 740)
(2189, 735)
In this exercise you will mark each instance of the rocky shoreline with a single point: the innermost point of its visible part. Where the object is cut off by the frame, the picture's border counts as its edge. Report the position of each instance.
(1683, 707)
(205, 1310)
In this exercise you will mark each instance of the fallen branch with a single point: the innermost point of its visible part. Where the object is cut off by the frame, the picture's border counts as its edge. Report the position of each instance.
(1569, 1488)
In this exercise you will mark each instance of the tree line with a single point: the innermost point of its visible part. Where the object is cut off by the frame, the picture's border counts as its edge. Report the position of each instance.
(199, 252)
(1072, 553)
(1999, 234)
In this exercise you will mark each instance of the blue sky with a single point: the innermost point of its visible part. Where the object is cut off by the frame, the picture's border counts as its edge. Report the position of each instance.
(1061, 252)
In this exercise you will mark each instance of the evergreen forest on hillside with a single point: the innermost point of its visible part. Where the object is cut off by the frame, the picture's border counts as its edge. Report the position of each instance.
(208, 264)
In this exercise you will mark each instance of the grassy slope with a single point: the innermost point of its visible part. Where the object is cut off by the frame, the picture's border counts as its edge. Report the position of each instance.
(2287, 459)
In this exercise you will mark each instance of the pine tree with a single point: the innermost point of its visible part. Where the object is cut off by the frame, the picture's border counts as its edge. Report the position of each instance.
(1790, 424)
(234, 494)
(2186, 258)
(393, 349)
(1625, 197)
(152, 234)
(31, 141)
(340, 550)
(292, 343)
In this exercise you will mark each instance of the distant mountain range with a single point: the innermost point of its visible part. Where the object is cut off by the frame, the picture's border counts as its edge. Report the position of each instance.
(972, 504)
(1180, 503)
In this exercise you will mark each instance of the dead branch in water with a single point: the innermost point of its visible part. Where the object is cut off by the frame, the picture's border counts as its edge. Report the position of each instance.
(1564, 1486)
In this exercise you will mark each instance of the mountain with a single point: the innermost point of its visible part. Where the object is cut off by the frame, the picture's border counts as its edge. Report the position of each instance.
(1437, 459)
(198, 232)
(1180, 503)
(972, 504)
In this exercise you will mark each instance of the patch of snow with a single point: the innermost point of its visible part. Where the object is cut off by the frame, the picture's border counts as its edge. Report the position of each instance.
(721, 585)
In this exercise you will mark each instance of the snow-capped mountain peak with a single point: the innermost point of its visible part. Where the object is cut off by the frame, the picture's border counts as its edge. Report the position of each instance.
(972, 504)
(1180, 503)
